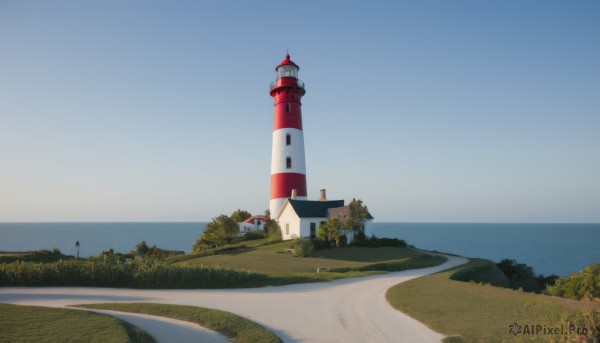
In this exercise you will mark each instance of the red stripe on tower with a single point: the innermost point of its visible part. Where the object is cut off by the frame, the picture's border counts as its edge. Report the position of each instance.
(283, 183)
(288, 169)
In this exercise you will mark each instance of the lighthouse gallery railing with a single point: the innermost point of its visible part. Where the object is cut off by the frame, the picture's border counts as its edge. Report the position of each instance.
(300, 83)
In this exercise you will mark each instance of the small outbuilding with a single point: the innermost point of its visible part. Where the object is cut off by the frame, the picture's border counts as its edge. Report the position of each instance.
(254, 223)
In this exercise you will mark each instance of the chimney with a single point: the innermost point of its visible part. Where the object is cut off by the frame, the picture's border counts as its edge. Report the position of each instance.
(294, 194)
(323, 195)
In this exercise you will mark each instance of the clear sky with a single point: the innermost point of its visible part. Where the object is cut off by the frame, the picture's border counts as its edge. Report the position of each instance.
(461, 111)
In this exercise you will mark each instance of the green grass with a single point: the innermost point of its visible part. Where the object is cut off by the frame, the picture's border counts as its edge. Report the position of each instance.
(258, 263)
(284, 268)
(483, 313)
(228, 324)
(44, 324)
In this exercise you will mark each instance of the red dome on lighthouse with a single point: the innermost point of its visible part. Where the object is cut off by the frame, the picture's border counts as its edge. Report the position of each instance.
(287, 62)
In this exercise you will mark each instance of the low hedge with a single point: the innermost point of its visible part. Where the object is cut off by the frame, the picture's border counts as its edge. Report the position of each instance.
(140, 273)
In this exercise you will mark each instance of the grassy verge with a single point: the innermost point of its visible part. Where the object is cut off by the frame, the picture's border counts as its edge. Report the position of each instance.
(255, 264)
(482, 313)
(284, 268)
(228, 324)
(43, 324)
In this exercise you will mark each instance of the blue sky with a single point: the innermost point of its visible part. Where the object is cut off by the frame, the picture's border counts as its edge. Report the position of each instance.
(460, 111)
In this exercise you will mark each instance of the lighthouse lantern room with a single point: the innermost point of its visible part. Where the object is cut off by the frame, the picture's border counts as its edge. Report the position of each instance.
(288, 169)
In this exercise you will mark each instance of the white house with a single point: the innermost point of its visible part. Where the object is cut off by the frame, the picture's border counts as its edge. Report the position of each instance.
(254, 223)
(301, 218)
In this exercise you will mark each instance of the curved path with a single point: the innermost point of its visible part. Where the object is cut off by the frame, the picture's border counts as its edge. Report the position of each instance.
(345, 310)
(167, 329)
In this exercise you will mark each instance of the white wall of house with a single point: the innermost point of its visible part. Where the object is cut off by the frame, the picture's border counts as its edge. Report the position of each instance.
(289, 222)
(368, 228)
(247, 227)
(305, 226)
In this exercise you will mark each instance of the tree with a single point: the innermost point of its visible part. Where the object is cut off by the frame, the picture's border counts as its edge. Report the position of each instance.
(221, 230)
(332, 229)
(357, 214)
(514, 270)
(142, 248)
(239, 216)
(272, 227)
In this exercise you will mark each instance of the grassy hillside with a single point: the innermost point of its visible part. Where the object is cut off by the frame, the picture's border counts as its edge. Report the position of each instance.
(238, 329)
(44, 324)
(483, 313)
(282, 267)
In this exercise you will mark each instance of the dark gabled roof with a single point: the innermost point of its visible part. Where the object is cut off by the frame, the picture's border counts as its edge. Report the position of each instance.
(337, 212)
(314, 209)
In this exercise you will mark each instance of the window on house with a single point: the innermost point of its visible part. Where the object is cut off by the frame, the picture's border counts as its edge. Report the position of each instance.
(287, 229)
(288, 162)
(288, 139)
(287, 107)
(313, 230)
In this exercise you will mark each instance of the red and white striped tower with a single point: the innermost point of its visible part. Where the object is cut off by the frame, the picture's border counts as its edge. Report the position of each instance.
(288, 169)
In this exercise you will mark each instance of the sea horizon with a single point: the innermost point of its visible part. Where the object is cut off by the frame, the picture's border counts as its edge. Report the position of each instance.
(544, 246)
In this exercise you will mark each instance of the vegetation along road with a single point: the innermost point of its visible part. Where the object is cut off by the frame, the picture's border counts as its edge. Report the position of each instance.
(349, 310)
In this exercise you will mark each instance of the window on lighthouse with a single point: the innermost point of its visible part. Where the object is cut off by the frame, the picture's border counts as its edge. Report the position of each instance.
(287, 71)
(288, 162)
(288, 139)
(287, 107)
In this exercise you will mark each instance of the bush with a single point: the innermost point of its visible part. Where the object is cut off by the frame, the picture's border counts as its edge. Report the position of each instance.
(362, 241)
(507, 274)
(274, 234)
(321, 243)
(578, 286)
(522, 276)
(303, 247)
(484, 272)
(140, 273)
(252, 235)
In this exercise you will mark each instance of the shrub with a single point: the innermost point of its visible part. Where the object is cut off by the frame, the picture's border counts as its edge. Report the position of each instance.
(392, 242)
(140, 273)
(321, 243)
(362, 241)
(303, 247)
(253, 235)
(578, 286)
(484, 272)
(522, 276)
(507, 273)
(274, 234)
(221, 230)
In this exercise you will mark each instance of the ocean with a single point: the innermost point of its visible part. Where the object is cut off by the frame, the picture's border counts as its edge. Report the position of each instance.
(559, 249)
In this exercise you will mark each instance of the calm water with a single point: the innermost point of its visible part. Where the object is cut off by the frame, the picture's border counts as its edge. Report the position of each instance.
(550, 248)
(559, 249)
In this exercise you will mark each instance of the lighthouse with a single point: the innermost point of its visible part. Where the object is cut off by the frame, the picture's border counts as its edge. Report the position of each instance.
(288, 168)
